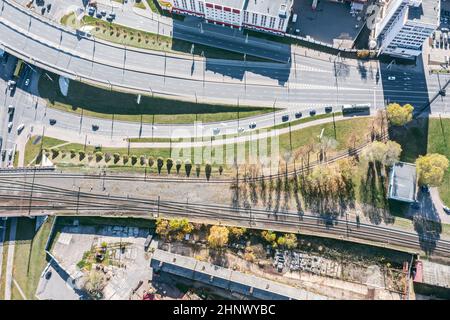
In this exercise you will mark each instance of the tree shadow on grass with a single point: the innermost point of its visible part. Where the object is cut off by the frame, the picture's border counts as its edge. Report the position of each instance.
(373, 195)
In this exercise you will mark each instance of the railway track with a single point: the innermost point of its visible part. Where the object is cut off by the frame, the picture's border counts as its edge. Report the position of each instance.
(34, 198)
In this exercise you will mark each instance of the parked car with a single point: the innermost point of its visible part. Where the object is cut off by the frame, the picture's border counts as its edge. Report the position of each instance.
(52, 122)
(103, 12)
(328, 109)
(10, 124)
(285, 118)
(240, 129)
(10, 109)
(11, 84)
(49, 6)
(112, 15)
(91, 11)
(312, 113)
(20, 128)
(99, 15)
(48, 275)
(298, 115)
(252, 125)
(425, 189)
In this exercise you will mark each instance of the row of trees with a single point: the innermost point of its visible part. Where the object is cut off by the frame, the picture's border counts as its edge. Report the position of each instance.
(160, 163)
(287, 240)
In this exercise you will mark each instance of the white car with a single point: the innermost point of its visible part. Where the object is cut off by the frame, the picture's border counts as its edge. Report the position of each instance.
(10, 124)
(20, 128)
(240, 130)
(216, 131)
(391, 78)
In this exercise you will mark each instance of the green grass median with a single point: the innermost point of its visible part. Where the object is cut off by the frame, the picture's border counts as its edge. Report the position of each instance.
(101, 103)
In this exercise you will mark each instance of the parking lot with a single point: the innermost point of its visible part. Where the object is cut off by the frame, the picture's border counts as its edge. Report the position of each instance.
(330, 20)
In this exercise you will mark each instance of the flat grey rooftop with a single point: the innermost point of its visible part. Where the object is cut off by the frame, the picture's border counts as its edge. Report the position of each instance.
(268, 7)
(402, 185)
(210, 274)
(436, 274)
(427, 12)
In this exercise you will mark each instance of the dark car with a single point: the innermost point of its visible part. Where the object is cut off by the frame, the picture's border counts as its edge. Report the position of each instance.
(285, 118)
(48, 275)
(43, 10)
(298, 115)
(312, 113)
(328, 109)
(99, 15)
(52, 121)
(425, 189)
(442, 92)
(446, 210)
(49, 6)
(94, 127)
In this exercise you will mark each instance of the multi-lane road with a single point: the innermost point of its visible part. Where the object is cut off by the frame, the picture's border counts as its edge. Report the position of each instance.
(303, 81)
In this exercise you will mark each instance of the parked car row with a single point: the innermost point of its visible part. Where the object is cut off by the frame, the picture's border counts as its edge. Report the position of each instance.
(102, 13)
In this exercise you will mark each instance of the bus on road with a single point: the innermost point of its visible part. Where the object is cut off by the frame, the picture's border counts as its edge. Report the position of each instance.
(349, 110)
(18, 69)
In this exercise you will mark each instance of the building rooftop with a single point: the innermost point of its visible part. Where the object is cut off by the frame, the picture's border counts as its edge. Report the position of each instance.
(236, 4)
(425, 11)
(435, 274)
(236, 281)
(269, 7)
(402, 185)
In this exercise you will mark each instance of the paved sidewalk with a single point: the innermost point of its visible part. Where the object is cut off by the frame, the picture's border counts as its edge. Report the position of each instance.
(10, 259)
(2, 241)
(438, 204)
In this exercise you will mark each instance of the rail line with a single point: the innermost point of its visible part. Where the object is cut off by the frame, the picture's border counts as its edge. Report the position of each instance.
(36, 197)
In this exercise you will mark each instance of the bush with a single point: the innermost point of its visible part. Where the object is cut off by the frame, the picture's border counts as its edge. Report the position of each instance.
(151, 161)
(125, 158)
(134, 159)
(178, 166)
(116, 157)
(197, 170)
(220, 170)
(208, 170)
(90, 157)
(73, 153)
(55, 152)
(81, 154)
(188, 167)
(159, 163)
(142, 160)
(98, 156)
(107, 157)
(169, 165)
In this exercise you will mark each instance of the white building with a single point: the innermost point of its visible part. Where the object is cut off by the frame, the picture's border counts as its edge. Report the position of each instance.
(403, 25)
(264, 15)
